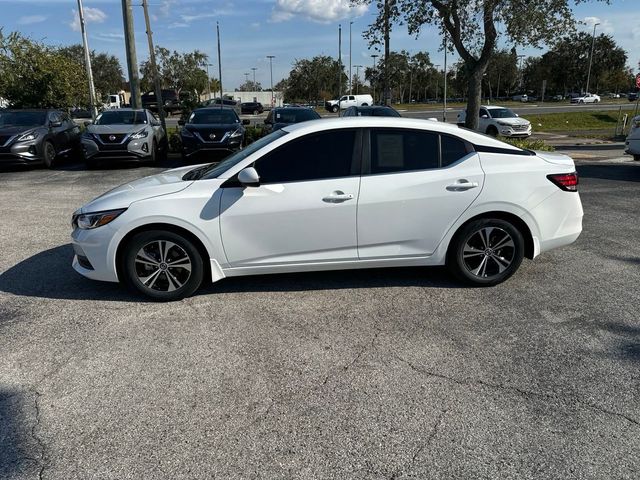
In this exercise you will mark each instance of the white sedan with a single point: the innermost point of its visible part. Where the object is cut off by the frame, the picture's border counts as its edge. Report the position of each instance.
(334, 194)
(587, 98)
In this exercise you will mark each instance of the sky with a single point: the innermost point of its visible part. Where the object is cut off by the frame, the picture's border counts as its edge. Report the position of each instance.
(252, 29)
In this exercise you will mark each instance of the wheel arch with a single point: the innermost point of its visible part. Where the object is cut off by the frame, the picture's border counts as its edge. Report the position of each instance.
(516, 221)
(206, 258)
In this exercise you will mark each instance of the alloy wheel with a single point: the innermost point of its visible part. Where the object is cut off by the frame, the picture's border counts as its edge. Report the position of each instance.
(488, 252)
(163, 266)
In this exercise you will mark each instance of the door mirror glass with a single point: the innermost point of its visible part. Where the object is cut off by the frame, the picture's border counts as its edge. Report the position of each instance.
(249, 177)
(56, 123)
(484, 116)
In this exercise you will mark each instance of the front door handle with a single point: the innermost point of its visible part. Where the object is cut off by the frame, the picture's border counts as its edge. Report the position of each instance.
(338, 197)
(462, 185)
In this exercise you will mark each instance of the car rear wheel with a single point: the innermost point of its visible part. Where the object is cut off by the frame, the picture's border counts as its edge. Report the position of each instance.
(636, 158)
(486, 252)
(162, 265)
(493, 131)
(49, 154)
(334, 109)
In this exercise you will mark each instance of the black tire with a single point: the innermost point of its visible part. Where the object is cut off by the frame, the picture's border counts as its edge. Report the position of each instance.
(335, 109)
(255, 112)
(48, 154)
(493, 131)
(171, 283)
(636, 158)
(470, 247)
(154, 152)
(91, 163)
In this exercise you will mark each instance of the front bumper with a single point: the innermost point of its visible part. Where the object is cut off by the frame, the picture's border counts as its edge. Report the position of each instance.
(91, 253)
(22, 153)
(509, 131)
(129, 150)
(193, 146)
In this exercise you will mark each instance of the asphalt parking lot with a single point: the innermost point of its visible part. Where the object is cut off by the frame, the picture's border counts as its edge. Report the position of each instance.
(375, 374)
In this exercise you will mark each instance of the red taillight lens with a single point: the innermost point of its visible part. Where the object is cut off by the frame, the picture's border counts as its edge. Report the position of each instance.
(565, 181)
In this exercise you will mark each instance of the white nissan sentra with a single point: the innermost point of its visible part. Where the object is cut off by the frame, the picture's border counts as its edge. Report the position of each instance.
(344, 193)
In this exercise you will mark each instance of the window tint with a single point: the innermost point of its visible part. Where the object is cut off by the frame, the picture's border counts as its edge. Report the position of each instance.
(313, 157)
(453, 149)
(482, 112)
(396, 150)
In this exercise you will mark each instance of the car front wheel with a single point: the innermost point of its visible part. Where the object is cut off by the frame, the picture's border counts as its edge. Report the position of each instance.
(486, 252)
(162, 265)
(49, 154)
(334, 109)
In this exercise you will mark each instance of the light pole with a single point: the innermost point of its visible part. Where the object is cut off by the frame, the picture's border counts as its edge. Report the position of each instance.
(87, 62)
(154, 66)
(246, 77)
(271, 57)
(593, 42)
(520, 80)
(358, 67)
(437, 67)
(254, 77)
(373, 87)
(350, 70)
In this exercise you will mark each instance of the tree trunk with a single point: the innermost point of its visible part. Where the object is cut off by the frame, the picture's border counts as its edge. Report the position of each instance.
(474, 93)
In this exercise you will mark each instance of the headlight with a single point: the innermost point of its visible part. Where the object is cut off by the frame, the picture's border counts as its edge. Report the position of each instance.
(27, 136)
(87, 221)
(503, 124)
(141, 134)
(237, 133)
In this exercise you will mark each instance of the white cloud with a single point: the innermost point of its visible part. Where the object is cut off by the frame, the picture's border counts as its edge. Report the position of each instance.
(178, 25)
(605, 26)
(91, 15)
(323, 11)
(31, 19)
(165, 7)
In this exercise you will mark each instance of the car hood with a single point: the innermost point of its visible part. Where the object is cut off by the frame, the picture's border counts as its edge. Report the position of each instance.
(513, 121)
(207, 127)
(122, 128)
(10, 130)
(124, 195)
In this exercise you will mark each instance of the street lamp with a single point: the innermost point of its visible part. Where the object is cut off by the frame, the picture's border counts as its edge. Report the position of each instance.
(246, 78)
(350, 70)
(437, 67)
(374, 56)
(358, 67)
(520, 57)
(593, 42)
(271, 57)
(254, 77)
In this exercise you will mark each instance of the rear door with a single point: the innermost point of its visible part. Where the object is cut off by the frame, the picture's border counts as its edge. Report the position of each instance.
(415, 185)
(304, 210)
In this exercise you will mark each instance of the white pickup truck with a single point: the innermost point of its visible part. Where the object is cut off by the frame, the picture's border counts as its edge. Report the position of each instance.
(347, 101)
(496, 121)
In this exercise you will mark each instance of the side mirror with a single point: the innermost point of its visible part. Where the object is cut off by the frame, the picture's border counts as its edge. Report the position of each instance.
(516, 115)
(249, 177)
(56, 124)
(484, 116)
(181, 123)
(246, 121)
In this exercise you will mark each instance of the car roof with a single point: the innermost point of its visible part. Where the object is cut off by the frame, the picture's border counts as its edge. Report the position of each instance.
(397, 122)
(125, 109)
(492, 107)
(32, 110)
(228, 108)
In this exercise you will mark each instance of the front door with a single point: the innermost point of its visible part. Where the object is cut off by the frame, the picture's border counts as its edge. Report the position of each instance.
(418, 185)
(304, 210)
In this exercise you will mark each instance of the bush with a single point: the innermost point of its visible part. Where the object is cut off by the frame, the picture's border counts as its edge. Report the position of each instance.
(528, 144)
(253, 133)
(175, 144)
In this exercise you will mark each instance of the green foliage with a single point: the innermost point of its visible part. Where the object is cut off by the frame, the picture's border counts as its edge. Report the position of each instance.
(175, 144)
(409, 76)
(253, 133)
(529, 144)
(34, 75)
(313, 79)
(178, 71)
(576, 121)
(106, 68)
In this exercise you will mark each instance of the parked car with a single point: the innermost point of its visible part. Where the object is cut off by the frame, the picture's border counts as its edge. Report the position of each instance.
(371, 111)
(253, 108)
(586, 98)
(225, 102)
(171, 102)
(495, 120)
(520, 98)
(334, 194)
(37, 137)
(124, 134)
(633, 96)
(281, 117)
(632, 143)
(347, 101)
(211, 130)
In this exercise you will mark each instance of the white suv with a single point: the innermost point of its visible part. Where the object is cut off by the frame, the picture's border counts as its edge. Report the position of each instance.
(496, 121)
(347, 101)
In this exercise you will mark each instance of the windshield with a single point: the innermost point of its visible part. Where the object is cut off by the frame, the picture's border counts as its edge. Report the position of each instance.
(121, 117)
(377, 112)
(22, 119)
(213, 116)
(501, 113)
(215, 170)
(296, 115)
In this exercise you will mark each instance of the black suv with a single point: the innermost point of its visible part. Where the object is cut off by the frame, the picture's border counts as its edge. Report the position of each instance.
(283, 116)
(29, 137)
(252, 108)
(372, 111)
(211, 130)
(170, 100)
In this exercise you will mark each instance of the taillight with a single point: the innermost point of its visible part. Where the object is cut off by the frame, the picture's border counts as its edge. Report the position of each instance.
(565, 181)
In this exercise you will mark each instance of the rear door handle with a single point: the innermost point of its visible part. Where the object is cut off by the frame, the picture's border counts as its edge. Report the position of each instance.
(338, 197)
(462, 185)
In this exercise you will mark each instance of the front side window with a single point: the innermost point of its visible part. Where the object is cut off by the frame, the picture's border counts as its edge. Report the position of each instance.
(394, 150)
(322, 155)
(483, 113)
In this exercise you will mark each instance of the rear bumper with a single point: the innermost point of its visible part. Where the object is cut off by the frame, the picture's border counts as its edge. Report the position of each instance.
(559, 220)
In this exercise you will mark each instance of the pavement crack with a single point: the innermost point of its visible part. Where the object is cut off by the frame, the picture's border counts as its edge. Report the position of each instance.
(519, 391)
(341, 370)
(34, 434)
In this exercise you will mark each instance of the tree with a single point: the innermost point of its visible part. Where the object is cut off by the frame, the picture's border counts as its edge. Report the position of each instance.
(178, 71)
(314, 79)
(471, 29)
(34, 75)
(249, 86)
(107, 71)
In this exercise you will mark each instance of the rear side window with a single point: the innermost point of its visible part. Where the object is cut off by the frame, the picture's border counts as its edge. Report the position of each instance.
(396, 150)
(329, 154)
(452, 149)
